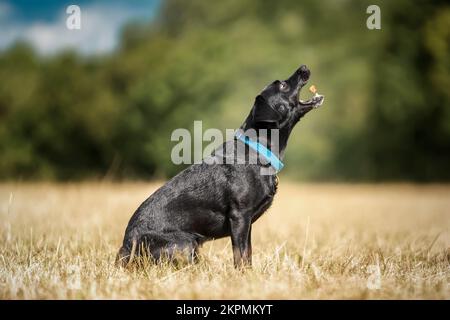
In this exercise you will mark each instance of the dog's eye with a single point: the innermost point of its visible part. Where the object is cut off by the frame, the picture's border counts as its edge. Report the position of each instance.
(284, 86)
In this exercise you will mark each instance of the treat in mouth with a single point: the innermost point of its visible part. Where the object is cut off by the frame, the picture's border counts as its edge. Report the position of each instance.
(293, 85)
(316, 101)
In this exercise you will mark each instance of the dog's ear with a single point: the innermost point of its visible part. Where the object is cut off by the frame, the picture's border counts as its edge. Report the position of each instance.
(263, 112)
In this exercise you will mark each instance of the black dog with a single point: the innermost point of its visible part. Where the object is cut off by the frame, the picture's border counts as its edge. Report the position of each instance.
(208, 201)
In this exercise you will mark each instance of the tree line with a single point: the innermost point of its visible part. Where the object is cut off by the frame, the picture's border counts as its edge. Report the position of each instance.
(386, 115)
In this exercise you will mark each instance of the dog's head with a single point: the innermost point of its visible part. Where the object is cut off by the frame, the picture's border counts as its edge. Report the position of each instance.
(278, 105)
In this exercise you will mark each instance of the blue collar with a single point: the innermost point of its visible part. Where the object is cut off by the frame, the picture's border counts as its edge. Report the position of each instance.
(262, 150)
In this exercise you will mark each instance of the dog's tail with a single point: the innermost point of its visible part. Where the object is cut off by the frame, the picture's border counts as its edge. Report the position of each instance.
(125, 257)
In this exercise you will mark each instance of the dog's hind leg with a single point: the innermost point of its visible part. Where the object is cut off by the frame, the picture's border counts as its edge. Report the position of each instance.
(126, 255)
(122, 257)
(160, 246)
(170, 246)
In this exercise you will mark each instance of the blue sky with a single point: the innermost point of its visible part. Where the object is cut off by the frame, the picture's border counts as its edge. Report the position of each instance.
(43, 23)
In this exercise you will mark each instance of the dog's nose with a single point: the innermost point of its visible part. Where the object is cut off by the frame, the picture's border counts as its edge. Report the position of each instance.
(304, 72)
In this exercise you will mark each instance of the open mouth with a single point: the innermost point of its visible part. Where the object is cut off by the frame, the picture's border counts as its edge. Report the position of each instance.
(315, 102)
(299, 80)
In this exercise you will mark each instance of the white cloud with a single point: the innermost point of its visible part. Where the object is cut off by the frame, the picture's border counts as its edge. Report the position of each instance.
(100, 26)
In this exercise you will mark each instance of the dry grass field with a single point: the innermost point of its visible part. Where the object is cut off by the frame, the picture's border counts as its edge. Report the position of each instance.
(318, 241)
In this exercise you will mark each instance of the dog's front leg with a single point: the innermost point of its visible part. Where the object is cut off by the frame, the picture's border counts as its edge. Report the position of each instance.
(240, 235)
(249, 246)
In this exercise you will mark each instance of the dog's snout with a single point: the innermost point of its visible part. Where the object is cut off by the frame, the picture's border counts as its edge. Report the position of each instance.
(304, 72)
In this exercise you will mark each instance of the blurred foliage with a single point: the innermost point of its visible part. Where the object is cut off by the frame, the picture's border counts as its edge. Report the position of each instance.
(386, 114)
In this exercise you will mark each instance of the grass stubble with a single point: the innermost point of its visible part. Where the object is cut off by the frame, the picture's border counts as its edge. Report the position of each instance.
(317, 241)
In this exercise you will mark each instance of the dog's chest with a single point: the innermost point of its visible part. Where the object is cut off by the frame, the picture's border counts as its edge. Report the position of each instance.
(267, 199)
